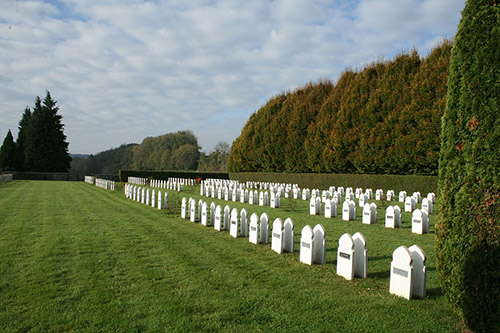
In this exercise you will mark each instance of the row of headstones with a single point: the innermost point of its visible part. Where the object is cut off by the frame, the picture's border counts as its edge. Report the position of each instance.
(146, 196)
(137, 180)
(167, 184)
(105, 184)
(6, 178)
(420, 217)
(90, 179)
(332, 192)
(352, 256)
(251, 197)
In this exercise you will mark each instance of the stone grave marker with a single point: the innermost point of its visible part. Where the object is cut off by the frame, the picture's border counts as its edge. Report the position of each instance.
(400, 283)
(264, 228)
(402, 196)
(409, 204)
(277, 235)
(243, 223)
(306, 244)
(227, 217)
(192, 210)
(427, 205)
(419, 276)
(345, 257)
(288, 236)
(218, 223)
(233, 229)
(419, 222)
(319, 244)
(184, 208)
(253, 235)
(360, 255)
(204, 214)
(160, 204)
(389, 195)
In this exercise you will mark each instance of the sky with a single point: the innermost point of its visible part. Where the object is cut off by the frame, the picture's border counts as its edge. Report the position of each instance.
(123, 70)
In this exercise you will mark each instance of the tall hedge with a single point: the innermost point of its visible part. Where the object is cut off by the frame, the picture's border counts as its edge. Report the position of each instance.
(468, 225)
(384, 118)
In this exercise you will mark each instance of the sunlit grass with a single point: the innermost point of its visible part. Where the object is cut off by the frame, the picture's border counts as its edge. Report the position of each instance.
(74, 257)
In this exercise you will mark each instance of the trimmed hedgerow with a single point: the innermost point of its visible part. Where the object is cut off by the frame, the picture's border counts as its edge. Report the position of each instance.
(164, 175)
(409, 183)
(468, 225)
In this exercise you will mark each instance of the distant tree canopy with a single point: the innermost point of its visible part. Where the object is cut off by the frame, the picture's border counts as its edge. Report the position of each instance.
(216, 160)
(172, 151)
(107, 162)
(384, 119)
(41, 144)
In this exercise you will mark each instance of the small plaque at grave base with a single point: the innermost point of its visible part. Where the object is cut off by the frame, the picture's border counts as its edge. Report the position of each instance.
(307, 245)
(276, 235)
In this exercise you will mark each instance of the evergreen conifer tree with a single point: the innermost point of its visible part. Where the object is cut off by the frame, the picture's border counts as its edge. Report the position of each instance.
(21, 139)
(8, 153)
(46, 147)
(468, 224)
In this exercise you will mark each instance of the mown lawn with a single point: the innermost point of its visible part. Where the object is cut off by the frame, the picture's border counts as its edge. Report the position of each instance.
(74, 257)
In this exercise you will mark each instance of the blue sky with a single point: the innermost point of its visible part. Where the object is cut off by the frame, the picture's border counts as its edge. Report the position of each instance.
(123, 70)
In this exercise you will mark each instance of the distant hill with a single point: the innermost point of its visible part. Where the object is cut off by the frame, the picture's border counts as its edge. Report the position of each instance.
(383, 119)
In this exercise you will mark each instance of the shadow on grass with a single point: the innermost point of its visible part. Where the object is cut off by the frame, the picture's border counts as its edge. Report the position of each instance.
(380, 275)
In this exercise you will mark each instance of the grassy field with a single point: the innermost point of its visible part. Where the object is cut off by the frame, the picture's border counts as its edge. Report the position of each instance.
(74, 257)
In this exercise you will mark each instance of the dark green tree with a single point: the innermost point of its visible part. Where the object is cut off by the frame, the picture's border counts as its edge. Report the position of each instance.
(468, 224)
(46, 148)
(8, 153)
(21, 139)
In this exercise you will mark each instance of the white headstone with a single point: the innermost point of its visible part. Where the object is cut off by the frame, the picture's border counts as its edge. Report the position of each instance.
(409, 204)
(360, 255)
(288, 236)
(419, 276)
(234, 228)
(184, 208)
(218, 223)
(427, 205)
(319, 244)
(264, 228)
(227, 217)
(345, 257)
(243, 223)
(419, 222)
(204, 214)
(254, 231)
(277, 235)
(400, 283)
(306, 245)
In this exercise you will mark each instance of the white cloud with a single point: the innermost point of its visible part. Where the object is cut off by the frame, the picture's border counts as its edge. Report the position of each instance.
(125, 70)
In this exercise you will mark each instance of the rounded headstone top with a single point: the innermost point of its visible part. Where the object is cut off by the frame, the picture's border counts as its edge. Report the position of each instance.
(346, 241)
(278, 223)
(402, 255)
(417, 250)
(359, 237)
(307, 231)
(319, 228)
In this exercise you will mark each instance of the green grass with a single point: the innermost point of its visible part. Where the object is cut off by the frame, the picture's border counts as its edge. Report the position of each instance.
(74, 257)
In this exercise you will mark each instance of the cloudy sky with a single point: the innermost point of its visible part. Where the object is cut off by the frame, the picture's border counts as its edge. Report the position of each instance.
(122, 70)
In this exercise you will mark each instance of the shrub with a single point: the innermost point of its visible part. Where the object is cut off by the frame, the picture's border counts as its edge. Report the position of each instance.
(468, 224)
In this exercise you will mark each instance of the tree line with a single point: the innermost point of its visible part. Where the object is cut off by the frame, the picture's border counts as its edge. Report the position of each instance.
(383, 119)
(41, 144)
(171, 151)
